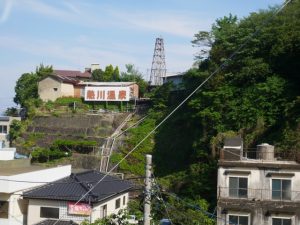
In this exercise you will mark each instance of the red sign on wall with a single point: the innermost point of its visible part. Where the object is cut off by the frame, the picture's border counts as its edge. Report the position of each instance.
(107, 94)
(79, 208)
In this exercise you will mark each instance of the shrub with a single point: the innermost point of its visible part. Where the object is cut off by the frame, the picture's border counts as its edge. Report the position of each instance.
(80, 146)
(44, 154)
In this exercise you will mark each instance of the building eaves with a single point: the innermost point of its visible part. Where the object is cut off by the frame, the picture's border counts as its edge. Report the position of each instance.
(77, 185)
(52, 222)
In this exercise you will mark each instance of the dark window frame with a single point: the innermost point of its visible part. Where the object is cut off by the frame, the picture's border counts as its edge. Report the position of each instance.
(3, 129)
(4, 207)
(282, 221)
(282, 193)
(118, 203)
(53, 211)
(237, 220)
(124, 200)
(238, 187)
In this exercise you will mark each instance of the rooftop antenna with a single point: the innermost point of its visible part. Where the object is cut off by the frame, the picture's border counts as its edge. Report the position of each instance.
(158, 68)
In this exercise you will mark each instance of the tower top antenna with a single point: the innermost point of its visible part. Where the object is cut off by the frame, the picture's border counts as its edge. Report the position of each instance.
(158, 68)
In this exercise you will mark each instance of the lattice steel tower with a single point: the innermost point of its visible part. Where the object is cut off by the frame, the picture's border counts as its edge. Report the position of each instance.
(158, 68)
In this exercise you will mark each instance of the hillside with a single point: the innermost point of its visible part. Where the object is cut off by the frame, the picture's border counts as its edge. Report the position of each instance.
(255, 95)
(82, 134)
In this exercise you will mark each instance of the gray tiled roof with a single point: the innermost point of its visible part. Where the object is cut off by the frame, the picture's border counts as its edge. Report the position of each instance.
(72, 188)
(52, 222)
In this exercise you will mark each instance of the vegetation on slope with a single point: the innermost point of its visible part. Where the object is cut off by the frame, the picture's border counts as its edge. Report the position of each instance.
(255, 95)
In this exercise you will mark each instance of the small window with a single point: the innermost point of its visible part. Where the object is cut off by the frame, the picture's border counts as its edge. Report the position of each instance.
(238, 187)
(281, 221)
(55, 89)
(3, 209)
(48, 212)
(124, 200)
(281, 189)
(103, 211)
(238, 219)
(118, 203)
(3, 129)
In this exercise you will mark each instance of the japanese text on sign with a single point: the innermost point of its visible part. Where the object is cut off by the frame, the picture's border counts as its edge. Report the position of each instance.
(79, 208)
(107, 94)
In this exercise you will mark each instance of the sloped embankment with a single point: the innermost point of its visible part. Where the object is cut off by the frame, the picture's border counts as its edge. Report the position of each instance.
(44, 130)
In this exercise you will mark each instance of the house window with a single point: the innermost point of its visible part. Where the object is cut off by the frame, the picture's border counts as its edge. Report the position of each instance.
(238, 220)
(118, 203)
(48, 212)
(3, 129)
(3, 209)
(103, 211)
(238, 187)
(124, 200)
(55, 89)
(281, 189)
(281, 221)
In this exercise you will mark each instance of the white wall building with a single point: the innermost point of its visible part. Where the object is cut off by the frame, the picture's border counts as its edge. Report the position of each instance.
(57, 200)
(254, 187)
(17, 176)
(5, 122)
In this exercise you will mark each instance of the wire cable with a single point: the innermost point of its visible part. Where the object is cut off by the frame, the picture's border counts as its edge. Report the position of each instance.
(223, 65)
(160, 196)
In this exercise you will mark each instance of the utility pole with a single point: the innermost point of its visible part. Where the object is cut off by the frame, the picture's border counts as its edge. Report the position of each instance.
(147, 199)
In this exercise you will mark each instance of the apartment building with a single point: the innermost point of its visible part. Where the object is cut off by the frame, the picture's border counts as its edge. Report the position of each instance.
(257, 186)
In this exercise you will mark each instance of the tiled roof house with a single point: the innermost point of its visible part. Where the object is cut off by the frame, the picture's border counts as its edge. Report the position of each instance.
(57, 200)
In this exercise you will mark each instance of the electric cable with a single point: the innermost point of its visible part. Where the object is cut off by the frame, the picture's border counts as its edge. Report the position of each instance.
(223, 65)
(160, 195)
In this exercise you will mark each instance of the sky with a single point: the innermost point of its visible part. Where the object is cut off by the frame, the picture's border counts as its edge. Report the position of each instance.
(72, 34)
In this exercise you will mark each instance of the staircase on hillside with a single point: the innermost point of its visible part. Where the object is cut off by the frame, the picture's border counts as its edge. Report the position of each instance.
(107, 148)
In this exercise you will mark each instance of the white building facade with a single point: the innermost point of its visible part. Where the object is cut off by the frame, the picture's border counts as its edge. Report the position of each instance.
(39, 210)
(15, 177)
(258, 190)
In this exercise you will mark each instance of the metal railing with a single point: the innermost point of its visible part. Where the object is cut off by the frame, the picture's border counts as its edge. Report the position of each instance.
(258, 194)
(238, 154)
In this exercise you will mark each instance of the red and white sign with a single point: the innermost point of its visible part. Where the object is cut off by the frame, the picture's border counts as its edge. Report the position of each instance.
(79, 209)
(112, 94)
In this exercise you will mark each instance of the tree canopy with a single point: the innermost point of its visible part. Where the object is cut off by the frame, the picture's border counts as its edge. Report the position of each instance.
(134, 75)
(26, 88)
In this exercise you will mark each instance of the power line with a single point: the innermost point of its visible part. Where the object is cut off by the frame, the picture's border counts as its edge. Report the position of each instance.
(222, 66)
(72, 182)
(160, 196)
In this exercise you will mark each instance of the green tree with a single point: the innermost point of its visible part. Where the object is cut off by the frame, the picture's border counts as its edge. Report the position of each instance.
(97, 75)
(15, 130)
(133, 75)
(108, 73)
(121, 218)
(26, 87)
(116, 74)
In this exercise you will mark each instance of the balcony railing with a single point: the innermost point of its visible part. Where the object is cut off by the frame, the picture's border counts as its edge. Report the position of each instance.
(258, 194)
(252, 153)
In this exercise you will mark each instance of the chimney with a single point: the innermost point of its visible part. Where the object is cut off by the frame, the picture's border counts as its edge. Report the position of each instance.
(95, 66)
(87, 69)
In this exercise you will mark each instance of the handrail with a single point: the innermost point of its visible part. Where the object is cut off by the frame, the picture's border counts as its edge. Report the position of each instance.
(258, 194)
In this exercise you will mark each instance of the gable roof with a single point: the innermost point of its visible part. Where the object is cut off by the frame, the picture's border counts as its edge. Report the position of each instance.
(73, 187)
(52, 222)
(72, 73)
(69, 80)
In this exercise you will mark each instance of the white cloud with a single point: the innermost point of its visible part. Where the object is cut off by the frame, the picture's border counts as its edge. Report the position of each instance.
(170, 22)
(6, 10)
